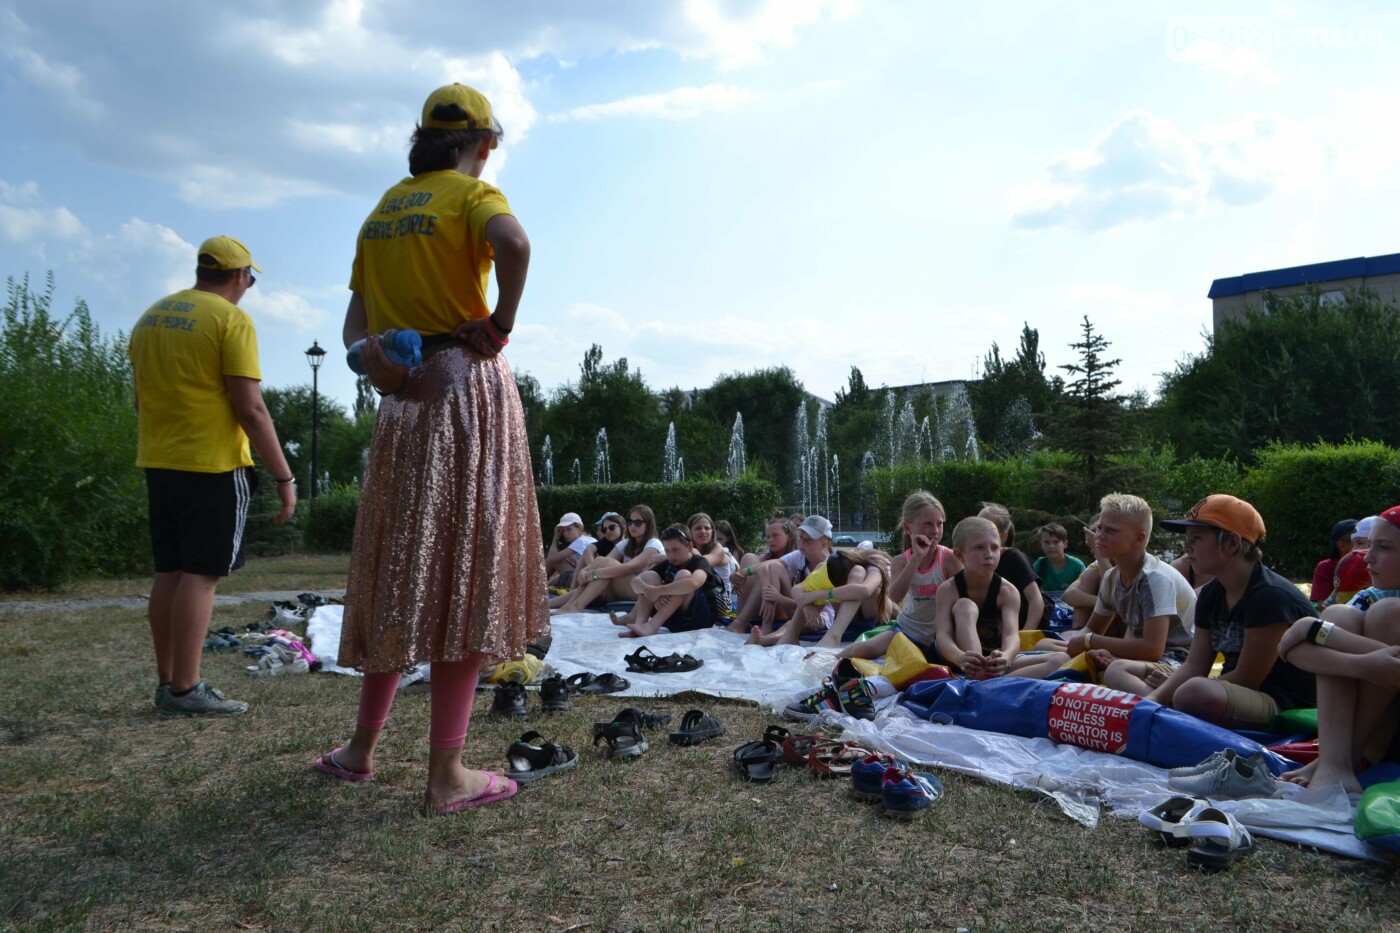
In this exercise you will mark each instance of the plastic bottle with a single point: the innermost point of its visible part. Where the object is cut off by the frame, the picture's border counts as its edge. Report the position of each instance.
(402, 346)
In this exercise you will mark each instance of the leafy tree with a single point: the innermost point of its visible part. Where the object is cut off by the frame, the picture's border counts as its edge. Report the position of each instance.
(857, 393)
(340, 445)
(1013, 395)
(533, 402)
(611, 396)
(75, 504)
(768, 400)
(1298, 370)
(366, 399)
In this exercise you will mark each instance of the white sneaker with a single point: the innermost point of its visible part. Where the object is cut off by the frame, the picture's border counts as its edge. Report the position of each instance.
(1217, 840)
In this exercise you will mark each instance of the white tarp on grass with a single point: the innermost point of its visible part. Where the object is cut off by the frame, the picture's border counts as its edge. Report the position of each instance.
(1079, 780)
(588, 642)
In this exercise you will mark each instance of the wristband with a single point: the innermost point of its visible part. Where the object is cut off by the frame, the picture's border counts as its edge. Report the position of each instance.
(748, 571)
(1088, 639)
(830, 595)
(595, 575)
(1313, 629)
(504, 331)
(283, 482)
(497, 336)
(1320, 632)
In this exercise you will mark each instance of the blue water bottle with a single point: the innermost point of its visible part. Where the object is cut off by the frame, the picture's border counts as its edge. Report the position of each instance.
(402, 346)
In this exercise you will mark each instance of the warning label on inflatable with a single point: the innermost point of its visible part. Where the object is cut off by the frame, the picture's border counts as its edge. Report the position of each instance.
(1091, 717)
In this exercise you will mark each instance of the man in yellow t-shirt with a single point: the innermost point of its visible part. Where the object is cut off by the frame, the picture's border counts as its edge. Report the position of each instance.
(198, 394)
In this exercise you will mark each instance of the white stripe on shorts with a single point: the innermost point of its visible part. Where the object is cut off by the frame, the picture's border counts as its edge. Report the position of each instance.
(241, 500)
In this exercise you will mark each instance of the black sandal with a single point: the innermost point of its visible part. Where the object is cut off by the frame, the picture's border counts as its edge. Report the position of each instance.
(606, 683)
(532, 757)
(642, 661)
(696, 726)
(755, 761)
(644, 719)
(577, 682)
(645, 661)
(623, 735)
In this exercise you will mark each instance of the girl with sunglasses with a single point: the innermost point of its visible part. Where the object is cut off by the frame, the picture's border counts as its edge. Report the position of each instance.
(610, 530)
(610, 577)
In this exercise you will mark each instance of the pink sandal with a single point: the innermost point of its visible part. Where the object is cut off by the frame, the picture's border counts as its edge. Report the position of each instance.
(327, 764)
(498, 788)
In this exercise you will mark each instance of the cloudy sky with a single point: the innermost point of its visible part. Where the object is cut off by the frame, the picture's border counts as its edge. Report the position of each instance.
(713, 186)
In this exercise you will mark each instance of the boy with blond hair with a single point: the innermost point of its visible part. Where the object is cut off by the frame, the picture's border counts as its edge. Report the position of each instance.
(1155, 602)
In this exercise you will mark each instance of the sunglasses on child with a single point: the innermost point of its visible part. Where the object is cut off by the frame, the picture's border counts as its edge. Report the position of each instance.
(636, 522)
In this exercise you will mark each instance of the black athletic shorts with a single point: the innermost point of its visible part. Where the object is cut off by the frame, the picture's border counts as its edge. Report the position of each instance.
(695, 616)
(197, 519)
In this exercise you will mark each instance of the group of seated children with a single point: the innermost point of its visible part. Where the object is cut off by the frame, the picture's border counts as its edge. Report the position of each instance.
(678, 578)
(1141, 625)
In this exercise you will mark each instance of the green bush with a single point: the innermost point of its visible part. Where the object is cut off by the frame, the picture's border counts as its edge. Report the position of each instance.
(75, 506)
(1301, 491)
(329, 524)
(961, 486)
(745, 503)
(1191, 480)
(262, 537)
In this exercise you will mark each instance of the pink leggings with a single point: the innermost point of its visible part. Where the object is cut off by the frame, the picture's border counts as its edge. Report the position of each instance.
(454, 688)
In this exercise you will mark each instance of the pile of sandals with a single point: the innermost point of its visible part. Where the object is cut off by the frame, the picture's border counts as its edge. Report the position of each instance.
(823, 757)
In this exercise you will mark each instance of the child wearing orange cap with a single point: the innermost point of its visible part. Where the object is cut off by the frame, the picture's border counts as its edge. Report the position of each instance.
(1355, 652)
(1242, 614)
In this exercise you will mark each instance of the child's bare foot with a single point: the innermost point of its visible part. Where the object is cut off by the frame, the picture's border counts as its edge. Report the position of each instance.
(755, 636)
(738, 627)
(1325, 776)
(464, 785)
(618, 620)
(1301, 776)
(641, 630)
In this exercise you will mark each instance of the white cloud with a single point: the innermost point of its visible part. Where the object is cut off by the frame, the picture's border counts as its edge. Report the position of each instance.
(738, 40)
(138, 255)
(26, 193)
(1144, 167)
(27, 221)
(293, 99)
(680, 104)
(35, 225)
(284, 307)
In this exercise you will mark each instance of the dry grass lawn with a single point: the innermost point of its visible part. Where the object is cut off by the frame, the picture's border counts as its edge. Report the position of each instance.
(111, 818)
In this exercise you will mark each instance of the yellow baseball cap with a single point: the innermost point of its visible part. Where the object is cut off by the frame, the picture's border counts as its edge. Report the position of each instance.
(224, 252)
(458, 107)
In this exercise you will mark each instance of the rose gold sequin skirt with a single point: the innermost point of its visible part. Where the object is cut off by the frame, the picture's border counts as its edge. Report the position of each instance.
(447, 556)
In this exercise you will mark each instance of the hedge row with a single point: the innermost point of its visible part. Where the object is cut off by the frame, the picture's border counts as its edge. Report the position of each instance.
(744, 503)
(329, 521)
(1301, 491)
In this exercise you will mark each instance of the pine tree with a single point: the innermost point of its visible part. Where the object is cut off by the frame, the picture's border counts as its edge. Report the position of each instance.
(1092, 424)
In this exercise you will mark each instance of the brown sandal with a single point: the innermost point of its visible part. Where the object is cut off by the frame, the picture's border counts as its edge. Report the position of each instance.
(834, 759)
(798, 748)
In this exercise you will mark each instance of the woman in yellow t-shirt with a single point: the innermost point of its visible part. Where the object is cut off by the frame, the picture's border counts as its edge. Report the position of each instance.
(446, 563)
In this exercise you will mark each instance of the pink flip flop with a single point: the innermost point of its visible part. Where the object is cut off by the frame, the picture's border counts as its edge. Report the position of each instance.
(327, 764)
(499, 788)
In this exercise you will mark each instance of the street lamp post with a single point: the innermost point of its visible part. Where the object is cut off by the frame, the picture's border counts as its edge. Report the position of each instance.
(315, 356)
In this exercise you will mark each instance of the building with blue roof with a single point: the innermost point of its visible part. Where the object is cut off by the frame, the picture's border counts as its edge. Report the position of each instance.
(1380, 274)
